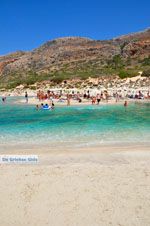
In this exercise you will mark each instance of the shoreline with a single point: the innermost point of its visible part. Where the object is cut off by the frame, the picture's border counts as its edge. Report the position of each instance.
(35, 101)
(75, 152)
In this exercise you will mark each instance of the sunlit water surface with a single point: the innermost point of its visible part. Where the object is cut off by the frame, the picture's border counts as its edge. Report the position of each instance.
(79, 126)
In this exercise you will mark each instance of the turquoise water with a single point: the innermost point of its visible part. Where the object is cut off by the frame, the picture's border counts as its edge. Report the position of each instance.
(80, 126)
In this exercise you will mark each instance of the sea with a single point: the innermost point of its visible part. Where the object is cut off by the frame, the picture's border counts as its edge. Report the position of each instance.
(22, 126)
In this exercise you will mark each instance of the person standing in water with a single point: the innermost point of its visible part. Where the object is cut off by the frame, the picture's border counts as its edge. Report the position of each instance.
(26, 97)
(3, 99)
(53, 105)
(125, 104)
(37, 107)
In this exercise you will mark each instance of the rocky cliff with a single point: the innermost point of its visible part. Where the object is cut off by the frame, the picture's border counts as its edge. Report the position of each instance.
(75, 57)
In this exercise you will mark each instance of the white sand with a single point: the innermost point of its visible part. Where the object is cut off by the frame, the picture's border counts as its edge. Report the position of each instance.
(87, 188)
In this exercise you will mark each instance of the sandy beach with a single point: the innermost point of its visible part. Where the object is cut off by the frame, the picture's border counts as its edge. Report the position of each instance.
(99, 187)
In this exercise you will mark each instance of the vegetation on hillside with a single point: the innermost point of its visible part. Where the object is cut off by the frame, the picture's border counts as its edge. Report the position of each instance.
(69, 58)
(92, 69)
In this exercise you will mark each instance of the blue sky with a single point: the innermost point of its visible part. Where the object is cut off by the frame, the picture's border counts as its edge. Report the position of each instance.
(26, 24)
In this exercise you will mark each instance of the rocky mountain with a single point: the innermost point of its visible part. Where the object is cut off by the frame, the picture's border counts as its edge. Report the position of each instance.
(75, 57)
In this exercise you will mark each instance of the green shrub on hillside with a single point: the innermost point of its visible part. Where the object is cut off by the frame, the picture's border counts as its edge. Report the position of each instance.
(127, 73)
(116, 62)
(146, 61)
(13, 84)
(146, 73)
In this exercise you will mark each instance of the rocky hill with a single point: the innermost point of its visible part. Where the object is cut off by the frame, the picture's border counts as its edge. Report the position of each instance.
(76, 57)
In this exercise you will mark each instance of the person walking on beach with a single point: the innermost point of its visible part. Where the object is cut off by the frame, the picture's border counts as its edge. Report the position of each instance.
(93, 100)
(117, 97)
(68, 100)
(98, 99)
(102, 96)
(107, 96)
(26, 97)
(88, 94)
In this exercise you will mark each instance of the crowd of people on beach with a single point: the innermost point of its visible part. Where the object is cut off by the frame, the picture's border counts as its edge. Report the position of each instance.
(50, 95)
(95, 99)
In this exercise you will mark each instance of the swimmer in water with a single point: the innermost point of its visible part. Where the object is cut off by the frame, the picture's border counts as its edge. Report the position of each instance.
(42, 105)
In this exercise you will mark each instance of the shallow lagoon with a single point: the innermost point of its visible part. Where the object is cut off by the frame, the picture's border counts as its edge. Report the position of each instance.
(74, 126)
